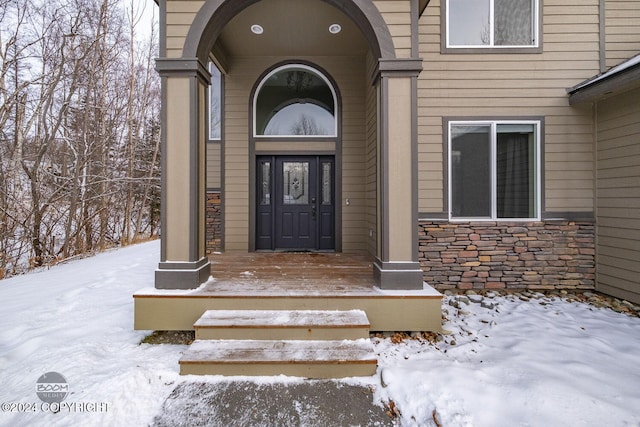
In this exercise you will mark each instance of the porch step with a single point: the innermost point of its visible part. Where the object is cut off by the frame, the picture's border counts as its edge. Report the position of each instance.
(303, 358)
(282, 325)
(305, 343)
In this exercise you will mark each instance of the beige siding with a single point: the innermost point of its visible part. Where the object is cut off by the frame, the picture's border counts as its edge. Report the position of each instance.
(214, 169)
(180, 15)
(243, 74)
(397, 15)
(371, 157)
(618, 201)
(622, 35)
(515, 84)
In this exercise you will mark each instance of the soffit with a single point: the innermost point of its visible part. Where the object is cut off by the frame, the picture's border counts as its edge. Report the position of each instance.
(291, 28)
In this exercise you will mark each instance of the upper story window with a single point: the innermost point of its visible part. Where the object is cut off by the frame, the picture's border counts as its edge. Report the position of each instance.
(492, 23)
(295, 101)
(494, 170)
(215, 103)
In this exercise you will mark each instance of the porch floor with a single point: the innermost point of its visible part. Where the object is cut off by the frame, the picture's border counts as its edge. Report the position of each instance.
(283, 273)
(290, 281)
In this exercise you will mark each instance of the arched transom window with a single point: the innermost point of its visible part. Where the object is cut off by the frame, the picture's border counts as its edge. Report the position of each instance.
(295, 101)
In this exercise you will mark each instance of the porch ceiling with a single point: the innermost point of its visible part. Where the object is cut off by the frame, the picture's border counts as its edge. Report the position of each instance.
(291, 28)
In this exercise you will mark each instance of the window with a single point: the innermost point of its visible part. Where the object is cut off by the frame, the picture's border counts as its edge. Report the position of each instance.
(492, 23)
(494, 170)
(295, 100)
(215, 100)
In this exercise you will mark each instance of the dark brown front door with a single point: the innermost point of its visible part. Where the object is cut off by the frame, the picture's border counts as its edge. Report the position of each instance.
(295, 206)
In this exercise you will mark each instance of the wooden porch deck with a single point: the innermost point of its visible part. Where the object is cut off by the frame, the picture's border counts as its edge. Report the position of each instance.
(290, 281)
(264, 274)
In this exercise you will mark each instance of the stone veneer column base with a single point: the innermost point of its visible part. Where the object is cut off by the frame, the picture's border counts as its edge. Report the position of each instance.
(213, 223)
(182, 275)
(398, 275)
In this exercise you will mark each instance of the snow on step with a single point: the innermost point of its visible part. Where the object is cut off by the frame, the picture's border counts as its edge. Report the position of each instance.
(283, 324)
(306, 358)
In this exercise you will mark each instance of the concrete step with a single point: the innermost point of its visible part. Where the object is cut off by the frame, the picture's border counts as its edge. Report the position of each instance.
(301, 358)
(282, 325)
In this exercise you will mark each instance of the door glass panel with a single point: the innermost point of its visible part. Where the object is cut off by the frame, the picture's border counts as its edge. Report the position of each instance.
(295, 176)
(326, 183)
(265, 187)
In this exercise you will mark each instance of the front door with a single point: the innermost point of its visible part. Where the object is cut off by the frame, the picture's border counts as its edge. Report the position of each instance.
(295, 206)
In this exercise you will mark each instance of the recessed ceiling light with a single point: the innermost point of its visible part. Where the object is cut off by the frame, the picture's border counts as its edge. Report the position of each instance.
(335, 28)
(257, 29)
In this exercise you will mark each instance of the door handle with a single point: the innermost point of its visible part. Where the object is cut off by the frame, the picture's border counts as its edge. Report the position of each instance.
(313, 207)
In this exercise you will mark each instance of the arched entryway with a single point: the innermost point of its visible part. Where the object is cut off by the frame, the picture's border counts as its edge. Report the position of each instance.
(296, 115)
(374, 184)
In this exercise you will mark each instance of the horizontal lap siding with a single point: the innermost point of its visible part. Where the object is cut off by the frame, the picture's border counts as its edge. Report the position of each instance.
(238, 84)
(622, 35)
(180, 15)
(397, 16)
(243, 74)
(371, 157)
(514, 84)
(618, 200)
(213, 165)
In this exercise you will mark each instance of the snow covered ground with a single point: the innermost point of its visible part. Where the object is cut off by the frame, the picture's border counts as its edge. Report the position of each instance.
(537, 363)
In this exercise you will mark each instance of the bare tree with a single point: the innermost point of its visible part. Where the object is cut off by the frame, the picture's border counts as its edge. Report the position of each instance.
(73, 139)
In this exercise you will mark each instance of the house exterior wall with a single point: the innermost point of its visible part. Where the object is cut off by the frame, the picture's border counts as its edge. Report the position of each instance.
(181, 13)
(517, 84)
(179, 17)
(214, 165)
(622, 30)
(618, 195)
(397, 15)
(371, 182)
(512, 85)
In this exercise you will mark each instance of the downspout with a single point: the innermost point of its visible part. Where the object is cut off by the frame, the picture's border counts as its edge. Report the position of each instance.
(595, 190)
(602, 54)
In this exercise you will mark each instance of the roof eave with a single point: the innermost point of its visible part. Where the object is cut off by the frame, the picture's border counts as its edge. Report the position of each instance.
(590, 91)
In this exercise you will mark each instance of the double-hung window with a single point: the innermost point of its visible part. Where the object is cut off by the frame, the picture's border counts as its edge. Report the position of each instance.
(492, 23)
(494, 170)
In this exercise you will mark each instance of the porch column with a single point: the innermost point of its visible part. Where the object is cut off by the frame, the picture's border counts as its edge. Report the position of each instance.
(183, 263)
(396, 265)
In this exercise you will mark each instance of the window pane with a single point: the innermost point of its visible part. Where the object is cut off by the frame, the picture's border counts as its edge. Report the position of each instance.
(301, 119)
(516, 180)
(326, 183)
(215, 92)
(469, 22)
(296, 183)
(513, 22)
(470, 171)
(295, 101)
(265, 179)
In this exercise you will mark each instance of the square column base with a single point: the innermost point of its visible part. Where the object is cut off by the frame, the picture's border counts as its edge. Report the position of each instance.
(398, 275)
(182, 275)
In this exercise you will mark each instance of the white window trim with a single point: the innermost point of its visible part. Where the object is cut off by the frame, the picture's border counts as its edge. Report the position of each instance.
(538, 187)
(491, 45)
(314, 71)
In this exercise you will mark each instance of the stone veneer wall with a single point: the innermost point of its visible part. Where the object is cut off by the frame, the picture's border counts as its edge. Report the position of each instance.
(515, 255)
(213, 223)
